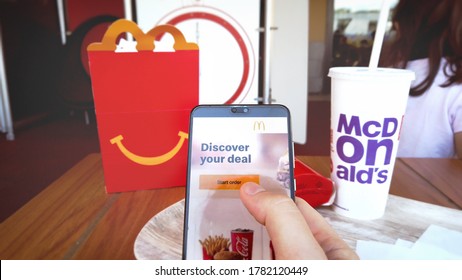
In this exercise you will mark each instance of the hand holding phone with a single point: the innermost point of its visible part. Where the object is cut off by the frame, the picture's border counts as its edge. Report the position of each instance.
(228, 146)
(298, 230)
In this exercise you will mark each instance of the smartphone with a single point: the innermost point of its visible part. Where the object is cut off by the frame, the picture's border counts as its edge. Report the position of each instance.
(230, 145)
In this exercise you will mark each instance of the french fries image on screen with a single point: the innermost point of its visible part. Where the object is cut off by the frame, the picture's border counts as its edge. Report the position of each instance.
(217, 248)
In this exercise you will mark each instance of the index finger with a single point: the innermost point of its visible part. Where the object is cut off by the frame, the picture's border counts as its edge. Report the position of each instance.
(333, 246)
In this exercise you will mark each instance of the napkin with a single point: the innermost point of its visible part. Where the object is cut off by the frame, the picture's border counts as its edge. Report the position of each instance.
(436, 243)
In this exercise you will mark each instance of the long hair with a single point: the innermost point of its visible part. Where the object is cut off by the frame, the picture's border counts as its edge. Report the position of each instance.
(427, 29)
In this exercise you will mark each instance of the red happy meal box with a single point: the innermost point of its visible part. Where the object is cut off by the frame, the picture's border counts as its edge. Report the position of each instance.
(142, 102)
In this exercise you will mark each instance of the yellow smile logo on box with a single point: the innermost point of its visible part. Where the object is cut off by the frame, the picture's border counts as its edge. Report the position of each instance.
(150, 160)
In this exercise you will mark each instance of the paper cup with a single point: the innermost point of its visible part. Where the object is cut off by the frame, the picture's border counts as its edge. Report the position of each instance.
(368, 106)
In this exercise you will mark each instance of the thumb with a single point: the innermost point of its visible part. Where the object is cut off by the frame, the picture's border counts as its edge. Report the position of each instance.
(286, 226)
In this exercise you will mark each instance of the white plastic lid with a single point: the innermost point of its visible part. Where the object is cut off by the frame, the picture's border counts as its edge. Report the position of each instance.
(362, 73)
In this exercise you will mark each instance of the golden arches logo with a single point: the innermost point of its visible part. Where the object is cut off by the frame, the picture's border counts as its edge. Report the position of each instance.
(150, 160)
(259, 126)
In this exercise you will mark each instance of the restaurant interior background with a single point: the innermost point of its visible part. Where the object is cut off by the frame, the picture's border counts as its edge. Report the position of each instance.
(50, 92)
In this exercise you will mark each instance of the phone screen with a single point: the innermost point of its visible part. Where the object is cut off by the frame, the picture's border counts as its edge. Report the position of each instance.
(228, 146)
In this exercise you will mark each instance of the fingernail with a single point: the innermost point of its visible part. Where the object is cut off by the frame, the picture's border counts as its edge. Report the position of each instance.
(252, 188)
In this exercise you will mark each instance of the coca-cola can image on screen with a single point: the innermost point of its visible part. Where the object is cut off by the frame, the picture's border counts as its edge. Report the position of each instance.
(242, 242)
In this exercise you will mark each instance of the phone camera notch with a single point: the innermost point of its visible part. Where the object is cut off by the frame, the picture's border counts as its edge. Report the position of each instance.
(240, 109)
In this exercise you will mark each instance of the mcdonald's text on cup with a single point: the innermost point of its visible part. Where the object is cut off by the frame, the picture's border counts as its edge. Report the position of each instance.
(360, 157)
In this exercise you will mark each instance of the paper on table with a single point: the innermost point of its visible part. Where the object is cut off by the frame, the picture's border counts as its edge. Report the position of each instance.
(436, 243)
(404, 243)
(374, 250)
(449, 240)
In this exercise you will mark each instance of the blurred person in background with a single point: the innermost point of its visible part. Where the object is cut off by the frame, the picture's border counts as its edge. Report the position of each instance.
(427, 39)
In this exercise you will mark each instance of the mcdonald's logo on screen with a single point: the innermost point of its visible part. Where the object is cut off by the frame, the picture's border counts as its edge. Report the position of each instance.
(259, 126)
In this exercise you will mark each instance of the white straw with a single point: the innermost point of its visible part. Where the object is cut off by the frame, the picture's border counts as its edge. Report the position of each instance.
(128, 15)
(379, 34)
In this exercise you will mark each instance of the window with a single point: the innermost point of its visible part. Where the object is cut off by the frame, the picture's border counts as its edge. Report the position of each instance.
(354, 24)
